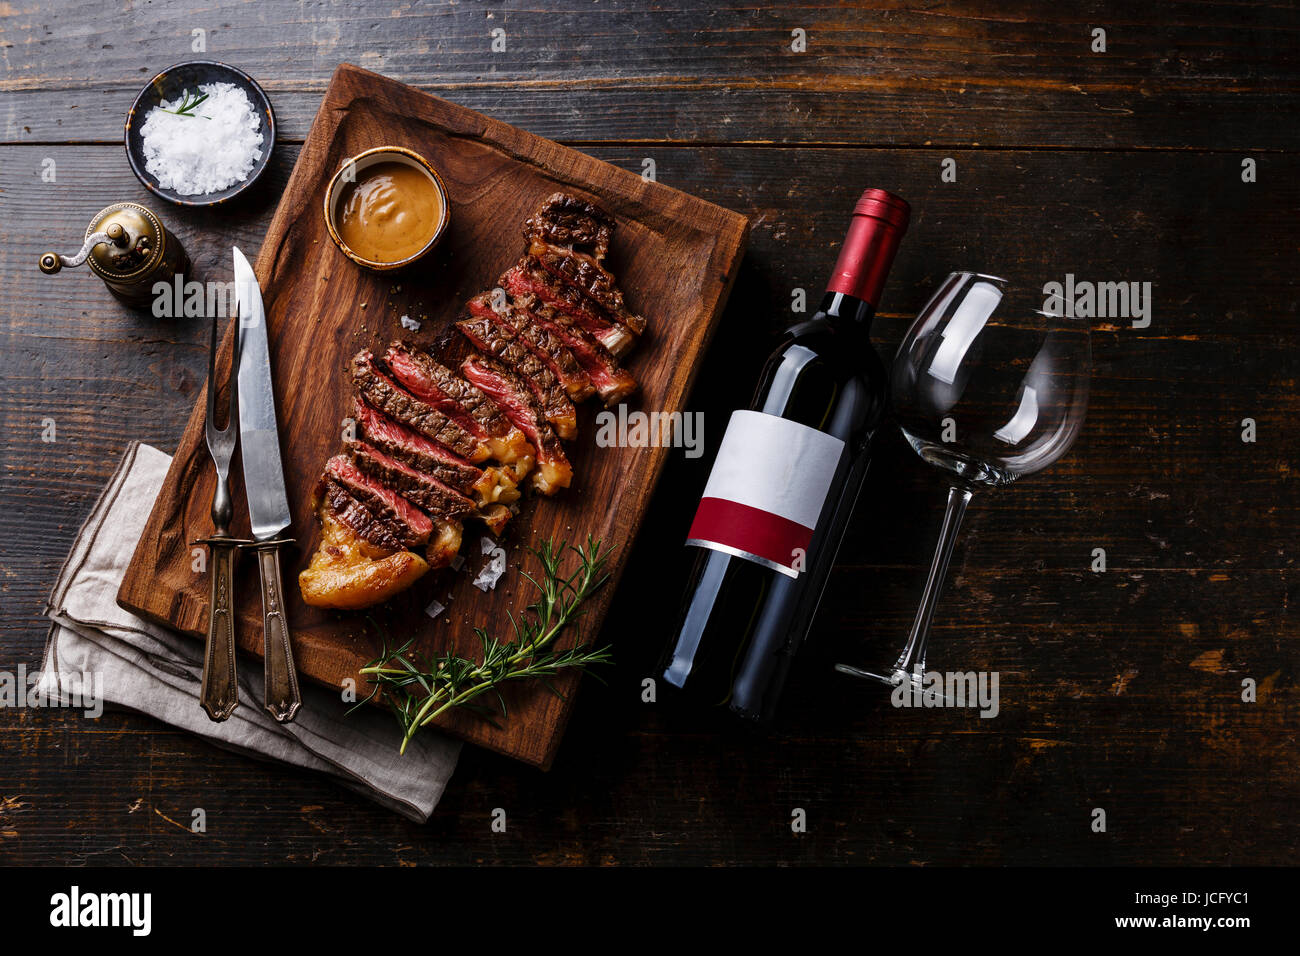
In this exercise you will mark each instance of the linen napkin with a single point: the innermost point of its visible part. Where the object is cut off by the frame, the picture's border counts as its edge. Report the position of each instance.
(157, 672)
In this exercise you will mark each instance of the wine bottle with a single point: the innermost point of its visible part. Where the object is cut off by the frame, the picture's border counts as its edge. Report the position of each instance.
(784, 484)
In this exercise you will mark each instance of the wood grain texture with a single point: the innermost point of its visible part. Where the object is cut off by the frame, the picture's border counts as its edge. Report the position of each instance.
(957, 73)
(675, 255)
(1120, 690)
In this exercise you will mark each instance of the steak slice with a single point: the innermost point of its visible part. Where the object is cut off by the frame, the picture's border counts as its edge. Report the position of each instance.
(565, 220)
(585, 274)
(434, 383)
(348, 572)
(541, 341)
(530, 276)
(369, 526)
(387, 396)
(613, 382)
(499, 339)
(486, 486)
(410, 525)
(553, 469)
(423, 491)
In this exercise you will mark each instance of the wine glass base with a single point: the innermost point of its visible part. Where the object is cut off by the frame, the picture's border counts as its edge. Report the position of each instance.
(897, 677)
(893, 679)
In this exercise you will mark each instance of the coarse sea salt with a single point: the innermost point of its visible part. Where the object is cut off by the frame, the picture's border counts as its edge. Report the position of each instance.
(487, 578)
(207, 152)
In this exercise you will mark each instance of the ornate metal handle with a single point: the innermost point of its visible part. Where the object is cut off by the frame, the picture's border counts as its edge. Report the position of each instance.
(52, 262)
(281, 677)
(219, 695)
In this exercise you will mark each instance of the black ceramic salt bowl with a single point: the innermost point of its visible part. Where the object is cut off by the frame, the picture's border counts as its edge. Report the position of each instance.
(170, 84)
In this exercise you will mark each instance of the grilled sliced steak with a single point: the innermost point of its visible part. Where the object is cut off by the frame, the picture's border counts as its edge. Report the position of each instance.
(585, 274)
(410, 525)
(379, 531)
(613, 382)
(530, 276)
(553, 469)
(499, 339)
(408, 445)
(347, 572)
(387, 396)
(415, 462)
(542, 342)
(423, 491)
(565, 220)
(485, 486)
(434, 383)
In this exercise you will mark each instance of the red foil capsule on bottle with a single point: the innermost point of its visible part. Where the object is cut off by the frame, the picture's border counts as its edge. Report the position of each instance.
(879, 221)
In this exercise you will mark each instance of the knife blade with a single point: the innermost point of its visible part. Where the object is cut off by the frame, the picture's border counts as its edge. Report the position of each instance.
(268, 502)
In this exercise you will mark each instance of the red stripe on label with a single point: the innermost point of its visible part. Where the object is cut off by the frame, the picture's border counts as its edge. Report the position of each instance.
(759, 532)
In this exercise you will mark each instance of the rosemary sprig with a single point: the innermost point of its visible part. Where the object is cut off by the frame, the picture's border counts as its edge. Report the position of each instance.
(188, 103)
(419, 689)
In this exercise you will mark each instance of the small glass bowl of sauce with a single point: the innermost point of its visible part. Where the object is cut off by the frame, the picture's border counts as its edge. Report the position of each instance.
(386, 207)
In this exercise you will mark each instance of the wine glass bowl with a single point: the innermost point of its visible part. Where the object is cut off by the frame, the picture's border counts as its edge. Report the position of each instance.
(987, 391)
(988, 387)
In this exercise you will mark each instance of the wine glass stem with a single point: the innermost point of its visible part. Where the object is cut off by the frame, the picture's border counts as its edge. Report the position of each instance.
(913, 656)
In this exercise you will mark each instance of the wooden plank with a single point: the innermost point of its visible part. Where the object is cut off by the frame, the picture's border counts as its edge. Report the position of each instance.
(1186, 773)
(675, 255)
(1215, 75)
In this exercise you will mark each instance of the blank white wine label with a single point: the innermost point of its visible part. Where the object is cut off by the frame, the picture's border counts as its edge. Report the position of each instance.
(766, 490)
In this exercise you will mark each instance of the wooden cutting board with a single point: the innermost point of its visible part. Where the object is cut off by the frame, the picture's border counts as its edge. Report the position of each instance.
(675, 257)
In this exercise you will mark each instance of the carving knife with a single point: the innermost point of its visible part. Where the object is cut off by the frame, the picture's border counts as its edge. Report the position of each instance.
(268, 502)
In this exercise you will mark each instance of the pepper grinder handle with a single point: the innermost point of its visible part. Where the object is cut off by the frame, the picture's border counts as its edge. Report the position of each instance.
(52, 262)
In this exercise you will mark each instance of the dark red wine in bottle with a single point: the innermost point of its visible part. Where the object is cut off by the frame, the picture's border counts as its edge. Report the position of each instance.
(784, 484)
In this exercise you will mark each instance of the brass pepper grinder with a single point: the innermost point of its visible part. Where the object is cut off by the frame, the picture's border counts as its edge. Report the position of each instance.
(129, 248)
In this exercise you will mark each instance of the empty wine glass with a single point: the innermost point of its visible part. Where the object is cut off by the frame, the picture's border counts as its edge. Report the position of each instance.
(987, 387)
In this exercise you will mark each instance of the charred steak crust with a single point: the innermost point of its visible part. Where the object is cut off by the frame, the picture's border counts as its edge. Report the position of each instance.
(425, 492)
(612, 381)
(594, 282)
(529, 275)
(367, 525)
(463, 403)
(506, 387)
(565, 220)
(386, 395)
(543, 342)
(498, 339)
(432, 382)
(409, 446)
(409, 525)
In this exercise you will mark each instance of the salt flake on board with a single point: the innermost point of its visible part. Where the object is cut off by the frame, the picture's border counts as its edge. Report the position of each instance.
(487, 578)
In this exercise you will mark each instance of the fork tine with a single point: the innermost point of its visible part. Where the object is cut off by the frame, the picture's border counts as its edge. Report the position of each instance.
(221, 441)
(210, 422)
(232, 421)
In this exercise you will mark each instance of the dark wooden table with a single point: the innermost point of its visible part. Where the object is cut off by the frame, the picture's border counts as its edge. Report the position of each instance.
(1120, 690)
